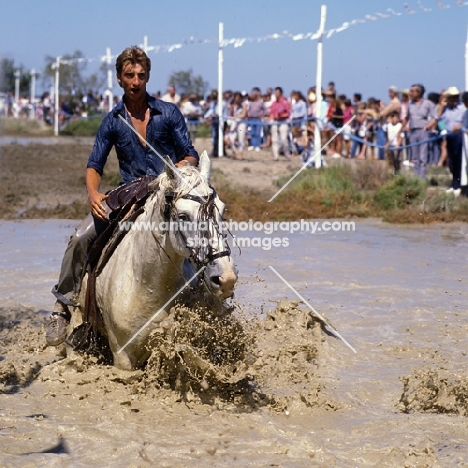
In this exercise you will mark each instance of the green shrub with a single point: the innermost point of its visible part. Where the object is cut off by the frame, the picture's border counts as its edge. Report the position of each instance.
(401, 191)
(332, 179)
(203, 131)
(82, 127)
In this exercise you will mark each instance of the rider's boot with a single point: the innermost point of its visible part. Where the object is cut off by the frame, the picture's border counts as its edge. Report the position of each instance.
(56, 328)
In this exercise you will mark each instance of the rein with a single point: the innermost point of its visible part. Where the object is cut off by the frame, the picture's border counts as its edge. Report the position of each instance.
(206, 214)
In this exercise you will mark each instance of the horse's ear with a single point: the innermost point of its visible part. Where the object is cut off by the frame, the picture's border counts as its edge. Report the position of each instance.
(205, 166)
(170, 168)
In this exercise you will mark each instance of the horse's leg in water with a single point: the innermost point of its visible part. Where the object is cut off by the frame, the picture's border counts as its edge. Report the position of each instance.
(121, 360)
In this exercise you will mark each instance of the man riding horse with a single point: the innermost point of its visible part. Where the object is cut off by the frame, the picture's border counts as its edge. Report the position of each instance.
(136, 126)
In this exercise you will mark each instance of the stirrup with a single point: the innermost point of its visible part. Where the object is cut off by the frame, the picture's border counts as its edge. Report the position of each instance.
(81, 336)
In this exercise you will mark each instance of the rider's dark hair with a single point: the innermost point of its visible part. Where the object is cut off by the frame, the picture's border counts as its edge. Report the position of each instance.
(133, 55)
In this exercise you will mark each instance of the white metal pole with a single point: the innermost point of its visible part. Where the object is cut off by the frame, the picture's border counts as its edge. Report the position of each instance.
(146, 48)
(220, 91)
(32, 96)
(17, 82)
(110, 96)
(318, 83)
(56, 99)
(466, 62)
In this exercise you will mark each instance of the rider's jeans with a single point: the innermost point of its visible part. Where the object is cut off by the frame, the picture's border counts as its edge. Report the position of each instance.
(74, 259)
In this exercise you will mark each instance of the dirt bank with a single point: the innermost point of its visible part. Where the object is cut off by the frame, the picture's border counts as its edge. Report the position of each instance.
(47, 180)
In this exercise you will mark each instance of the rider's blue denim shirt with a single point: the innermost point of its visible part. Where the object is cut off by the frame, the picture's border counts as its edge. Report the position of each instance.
(166, 133)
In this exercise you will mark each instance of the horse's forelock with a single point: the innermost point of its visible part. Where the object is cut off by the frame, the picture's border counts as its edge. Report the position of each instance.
(191, 179)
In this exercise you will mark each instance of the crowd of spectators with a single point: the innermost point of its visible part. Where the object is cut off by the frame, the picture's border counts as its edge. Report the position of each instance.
(287, 124)
(406, 129)
(72, 105)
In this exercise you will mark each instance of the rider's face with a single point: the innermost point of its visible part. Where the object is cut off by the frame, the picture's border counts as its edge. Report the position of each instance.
(133, 80)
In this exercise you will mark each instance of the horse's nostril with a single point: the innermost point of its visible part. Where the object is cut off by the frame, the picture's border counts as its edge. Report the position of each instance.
(216, 280)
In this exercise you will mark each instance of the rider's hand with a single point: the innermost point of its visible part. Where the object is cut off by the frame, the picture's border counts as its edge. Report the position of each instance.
(97, 208)
(187, 161)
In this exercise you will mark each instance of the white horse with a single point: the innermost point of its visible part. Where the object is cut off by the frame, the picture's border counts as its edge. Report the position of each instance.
(149, 265)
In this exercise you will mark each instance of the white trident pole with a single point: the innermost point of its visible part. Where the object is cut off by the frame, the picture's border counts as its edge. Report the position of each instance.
(110, 96)
(56, 99)
(32, 94)
(466, 62)
(318, 83)
(145, 45)
(17, 86)
(220, 91)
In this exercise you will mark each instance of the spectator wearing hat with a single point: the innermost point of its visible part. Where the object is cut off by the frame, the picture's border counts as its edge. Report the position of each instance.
(394, 104)
(452, 113)
(421, 119)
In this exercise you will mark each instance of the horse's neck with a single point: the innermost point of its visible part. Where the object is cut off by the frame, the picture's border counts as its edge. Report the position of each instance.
(146, 253)
(152, 246)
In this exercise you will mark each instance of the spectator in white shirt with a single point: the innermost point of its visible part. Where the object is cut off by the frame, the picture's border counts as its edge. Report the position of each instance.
(393, 129)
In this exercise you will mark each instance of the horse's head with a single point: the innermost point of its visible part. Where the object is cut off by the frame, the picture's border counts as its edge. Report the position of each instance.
(194, 213)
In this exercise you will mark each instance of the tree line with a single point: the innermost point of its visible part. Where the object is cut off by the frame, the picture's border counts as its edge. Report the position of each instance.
(73, 76)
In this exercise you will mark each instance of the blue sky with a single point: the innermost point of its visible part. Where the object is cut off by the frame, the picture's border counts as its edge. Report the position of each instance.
(426, 47)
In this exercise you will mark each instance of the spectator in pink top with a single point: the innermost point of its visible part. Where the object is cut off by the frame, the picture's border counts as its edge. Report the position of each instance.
(348, 112)
(280, 112)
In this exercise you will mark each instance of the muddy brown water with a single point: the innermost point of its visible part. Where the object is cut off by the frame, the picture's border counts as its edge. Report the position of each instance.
(397, 293)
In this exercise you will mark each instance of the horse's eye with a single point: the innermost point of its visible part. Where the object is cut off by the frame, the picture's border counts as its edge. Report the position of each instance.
(183, 217)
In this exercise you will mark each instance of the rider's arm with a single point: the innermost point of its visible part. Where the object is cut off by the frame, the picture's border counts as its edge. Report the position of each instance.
(93, 180)
(95, 166)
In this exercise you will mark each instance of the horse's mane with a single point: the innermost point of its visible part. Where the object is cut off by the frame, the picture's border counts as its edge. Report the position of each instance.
(180, 186)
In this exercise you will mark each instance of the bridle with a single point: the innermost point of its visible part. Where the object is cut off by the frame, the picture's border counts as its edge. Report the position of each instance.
(206, 216)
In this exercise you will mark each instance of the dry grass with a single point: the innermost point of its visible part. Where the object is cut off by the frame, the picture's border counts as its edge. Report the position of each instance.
(365, 189)
(24, 127)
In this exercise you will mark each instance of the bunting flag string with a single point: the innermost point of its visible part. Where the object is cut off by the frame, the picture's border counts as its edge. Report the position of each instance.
(237, 42)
